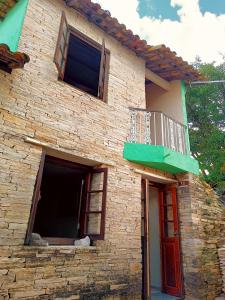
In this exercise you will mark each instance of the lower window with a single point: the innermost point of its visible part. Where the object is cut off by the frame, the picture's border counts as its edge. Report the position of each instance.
(68, 203)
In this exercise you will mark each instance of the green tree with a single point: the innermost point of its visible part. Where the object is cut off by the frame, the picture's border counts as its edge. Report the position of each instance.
(206, 120)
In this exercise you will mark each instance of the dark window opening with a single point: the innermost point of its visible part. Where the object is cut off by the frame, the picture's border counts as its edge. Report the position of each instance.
(81, 62)
(69, 202)
(59, 206)
(82, 65)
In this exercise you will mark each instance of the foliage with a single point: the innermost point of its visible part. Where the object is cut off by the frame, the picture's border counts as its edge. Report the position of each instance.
(206, 119)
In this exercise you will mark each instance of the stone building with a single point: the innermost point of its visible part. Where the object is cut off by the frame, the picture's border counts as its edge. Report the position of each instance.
(94, 142)
(222, 264)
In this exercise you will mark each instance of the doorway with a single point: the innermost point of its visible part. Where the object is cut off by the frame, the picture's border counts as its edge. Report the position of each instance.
(154, 232)
(160, 242)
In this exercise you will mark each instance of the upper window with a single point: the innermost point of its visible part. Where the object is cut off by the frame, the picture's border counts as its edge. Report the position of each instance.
(82, 62)
(69, 202)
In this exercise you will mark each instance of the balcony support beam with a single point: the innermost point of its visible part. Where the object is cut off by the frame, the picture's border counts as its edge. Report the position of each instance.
(157, 80)
(161, 158)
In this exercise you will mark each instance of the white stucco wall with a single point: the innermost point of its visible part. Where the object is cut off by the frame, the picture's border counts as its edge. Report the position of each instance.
(169, 102)
(155, 257)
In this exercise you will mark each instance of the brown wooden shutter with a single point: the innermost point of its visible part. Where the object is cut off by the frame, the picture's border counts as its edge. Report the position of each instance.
(35, 199)
(62, 46)
(103, 74)
(96, 191)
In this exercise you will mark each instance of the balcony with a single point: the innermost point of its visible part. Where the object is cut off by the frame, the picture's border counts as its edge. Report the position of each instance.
(159, 142)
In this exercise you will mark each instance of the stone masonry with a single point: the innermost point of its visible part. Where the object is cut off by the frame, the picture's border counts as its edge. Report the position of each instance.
(35, 104)
(202, 222)
(71, 124)
(222, 265)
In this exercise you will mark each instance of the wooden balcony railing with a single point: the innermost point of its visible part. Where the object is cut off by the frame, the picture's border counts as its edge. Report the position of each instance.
(156, 128)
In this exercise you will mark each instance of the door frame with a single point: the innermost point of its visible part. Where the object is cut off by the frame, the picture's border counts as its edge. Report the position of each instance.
(146, 251)
(146, 285)
(173, 188)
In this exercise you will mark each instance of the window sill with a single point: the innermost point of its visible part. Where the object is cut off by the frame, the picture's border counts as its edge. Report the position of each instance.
(61, 248)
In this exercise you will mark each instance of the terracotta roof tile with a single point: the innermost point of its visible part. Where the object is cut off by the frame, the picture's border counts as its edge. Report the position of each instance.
(11, 60)
(5, 6)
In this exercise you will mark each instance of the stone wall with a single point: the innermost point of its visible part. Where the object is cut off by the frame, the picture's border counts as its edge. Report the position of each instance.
(76, 126)
(72, 125)
(66, 273)
(222, 265)
(202, 220)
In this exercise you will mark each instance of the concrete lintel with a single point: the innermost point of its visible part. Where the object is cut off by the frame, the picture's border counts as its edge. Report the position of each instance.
(155, 177)
(59, 153)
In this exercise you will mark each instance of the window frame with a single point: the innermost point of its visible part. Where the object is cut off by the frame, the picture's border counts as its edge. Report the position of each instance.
(102, 213)
(35, 198)
(58, 49)
(104, 63)
(83, 215)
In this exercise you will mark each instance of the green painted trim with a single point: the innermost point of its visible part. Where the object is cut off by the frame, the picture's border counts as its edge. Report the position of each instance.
(11, 26)
(183, 99)
(159, 157)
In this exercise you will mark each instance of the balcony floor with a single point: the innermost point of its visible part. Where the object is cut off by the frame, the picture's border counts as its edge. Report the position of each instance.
(161, 158)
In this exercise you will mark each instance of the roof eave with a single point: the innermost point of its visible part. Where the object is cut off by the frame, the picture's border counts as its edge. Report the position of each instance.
(159, 59)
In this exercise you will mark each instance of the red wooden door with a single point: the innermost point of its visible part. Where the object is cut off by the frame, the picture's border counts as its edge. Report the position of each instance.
(170, 243)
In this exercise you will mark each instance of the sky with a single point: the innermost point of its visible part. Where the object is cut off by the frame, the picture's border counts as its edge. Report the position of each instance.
(189, 27)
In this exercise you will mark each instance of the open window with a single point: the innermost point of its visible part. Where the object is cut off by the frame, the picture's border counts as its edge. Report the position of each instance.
(69, 202)
(81, 62)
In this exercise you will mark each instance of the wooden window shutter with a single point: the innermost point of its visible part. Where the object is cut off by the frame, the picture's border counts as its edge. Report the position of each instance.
(36, 198)
(103, 74)
(62, 46)
(95, 208)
